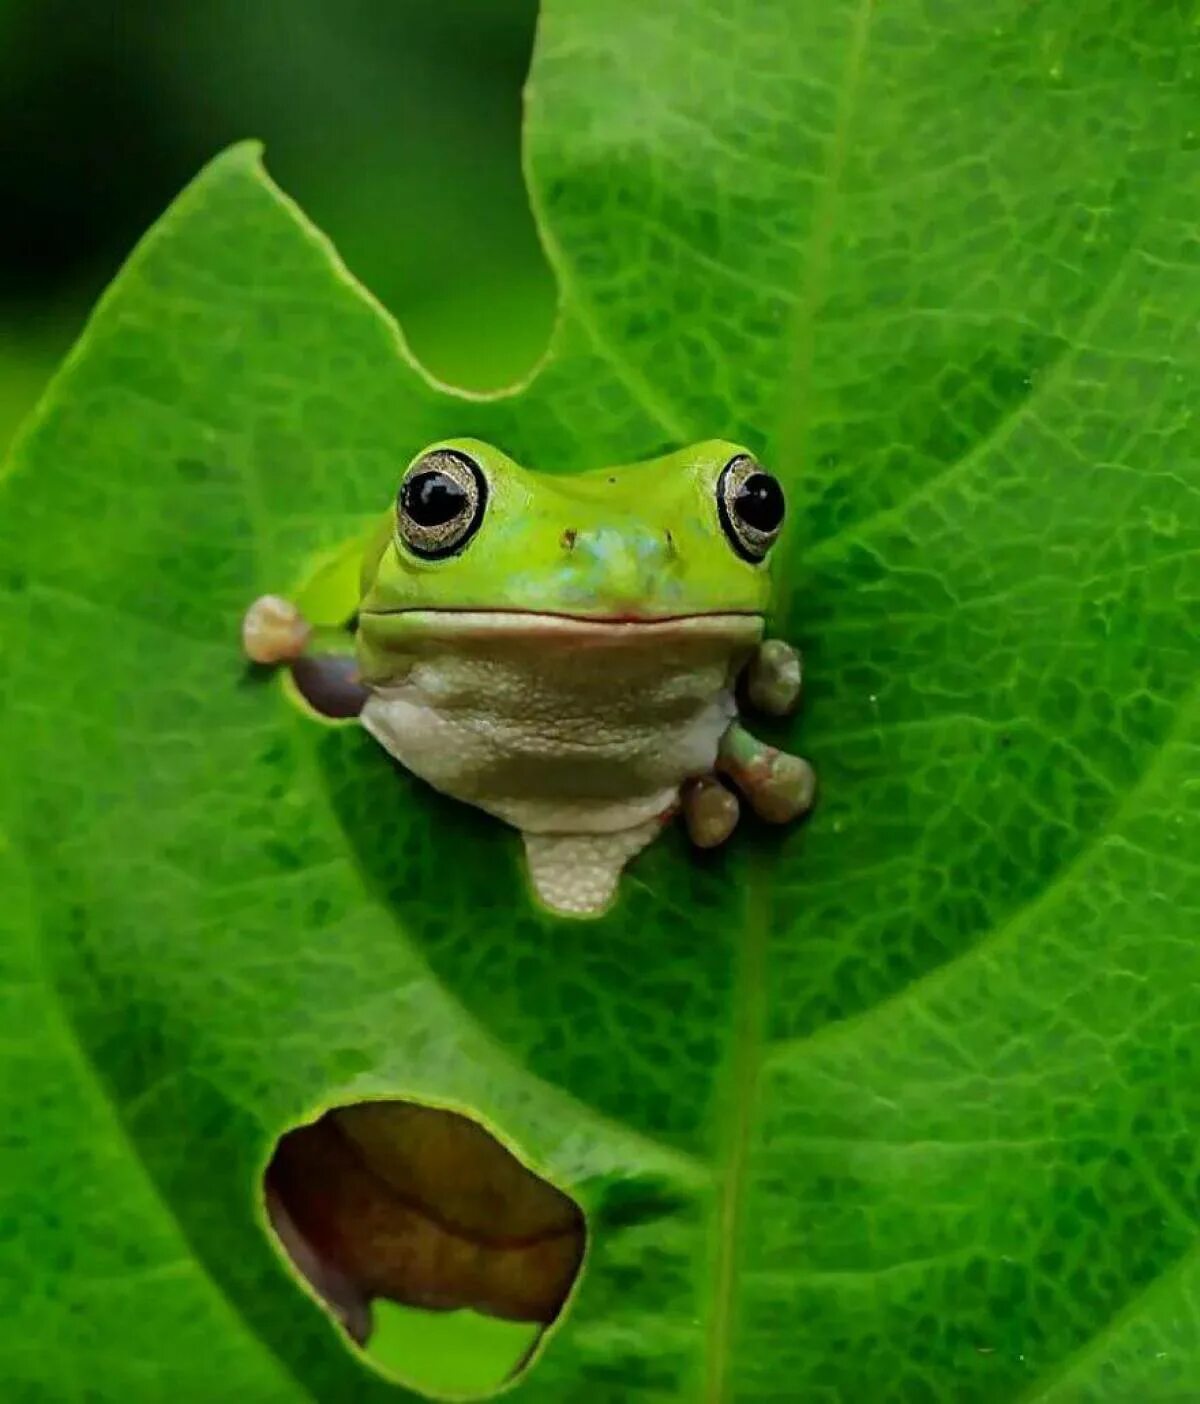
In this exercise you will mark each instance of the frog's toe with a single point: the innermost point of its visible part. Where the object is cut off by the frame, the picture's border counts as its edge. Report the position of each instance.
(779, 786)
(774, 677)
(274, 631)
(577, 874)
(710, 811)
(785, 791)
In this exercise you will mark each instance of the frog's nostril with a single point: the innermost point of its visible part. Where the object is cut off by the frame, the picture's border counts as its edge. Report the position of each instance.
(569, 538)
(670, 542)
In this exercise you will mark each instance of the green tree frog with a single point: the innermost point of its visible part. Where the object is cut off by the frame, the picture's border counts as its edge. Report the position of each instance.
(565, 652)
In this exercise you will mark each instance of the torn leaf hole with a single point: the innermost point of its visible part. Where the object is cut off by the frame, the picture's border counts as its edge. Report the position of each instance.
(388, 1204)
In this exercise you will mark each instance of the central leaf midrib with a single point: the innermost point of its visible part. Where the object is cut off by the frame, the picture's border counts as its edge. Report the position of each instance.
(740, 1104)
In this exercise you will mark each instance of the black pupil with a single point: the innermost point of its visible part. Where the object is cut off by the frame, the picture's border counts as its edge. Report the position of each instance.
(432, 498)
(758, 502)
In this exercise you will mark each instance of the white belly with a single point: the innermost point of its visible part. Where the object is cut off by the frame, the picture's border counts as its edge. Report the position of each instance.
(559, 732)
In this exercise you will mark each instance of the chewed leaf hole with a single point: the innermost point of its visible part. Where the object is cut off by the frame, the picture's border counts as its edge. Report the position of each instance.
(442, 1256)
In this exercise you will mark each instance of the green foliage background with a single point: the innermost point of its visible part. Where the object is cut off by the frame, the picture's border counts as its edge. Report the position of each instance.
(396, 125)
(900, 1107)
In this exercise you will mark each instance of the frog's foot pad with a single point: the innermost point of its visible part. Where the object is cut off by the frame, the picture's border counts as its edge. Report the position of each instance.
(773, 678)
(779, 786)
(577, 874)
(274, 631)
(710, 811)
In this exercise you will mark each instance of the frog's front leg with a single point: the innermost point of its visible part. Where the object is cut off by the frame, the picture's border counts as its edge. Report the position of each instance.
(779, 786)
(275, 631)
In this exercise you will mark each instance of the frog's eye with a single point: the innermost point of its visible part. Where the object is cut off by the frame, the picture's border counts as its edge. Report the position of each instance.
(751, 507)
(440, 503)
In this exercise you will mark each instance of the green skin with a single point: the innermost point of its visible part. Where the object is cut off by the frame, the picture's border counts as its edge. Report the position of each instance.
(647, 544)
(572, 668)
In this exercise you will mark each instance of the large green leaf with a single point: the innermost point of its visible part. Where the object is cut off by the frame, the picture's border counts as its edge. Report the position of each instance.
(899, 1107)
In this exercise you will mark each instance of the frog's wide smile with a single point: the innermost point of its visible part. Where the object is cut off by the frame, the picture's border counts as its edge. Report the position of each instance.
(467, 619)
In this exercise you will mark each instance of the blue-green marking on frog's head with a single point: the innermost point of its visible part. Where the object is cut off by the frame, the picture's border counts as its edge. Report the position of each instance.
(688, 534)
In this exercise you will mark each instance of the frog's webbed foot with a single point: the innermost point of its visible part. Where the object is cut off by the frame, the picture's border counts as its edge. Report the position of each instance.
(577, 874)
(779, 786)
(774, 677)
(275, 631)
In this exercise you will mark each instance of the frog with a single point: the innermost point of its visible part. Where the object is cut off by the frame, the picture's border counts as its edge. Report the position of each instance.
(571, 653)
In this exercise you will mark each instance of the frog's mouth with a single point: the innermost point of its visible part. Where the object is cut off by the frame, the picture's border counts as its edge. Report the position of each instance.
(737, 625)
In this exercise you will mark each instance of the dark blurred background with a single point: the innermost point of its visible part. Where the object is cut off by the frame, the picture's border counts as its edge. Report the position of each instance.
(394, 123)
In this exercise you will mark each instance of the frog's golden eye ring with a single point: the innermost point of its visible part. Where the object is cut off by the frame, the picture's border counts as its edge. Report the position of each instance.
(441, 503)
(751, 506)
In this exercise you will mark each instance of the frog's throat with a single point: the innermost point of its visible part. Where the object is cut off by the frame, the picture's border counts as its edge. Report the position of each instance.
(737, 625)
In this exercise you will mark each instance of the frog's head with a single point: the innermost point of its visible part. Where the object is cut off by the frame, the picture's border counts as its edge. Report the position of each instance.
(683, 538)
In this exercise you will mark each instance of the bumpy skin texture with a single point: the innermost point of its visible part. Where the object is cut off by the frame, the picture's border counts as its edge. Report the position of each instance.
(573, 663)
